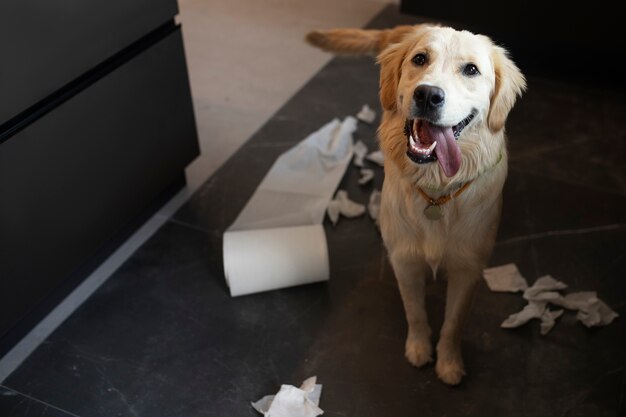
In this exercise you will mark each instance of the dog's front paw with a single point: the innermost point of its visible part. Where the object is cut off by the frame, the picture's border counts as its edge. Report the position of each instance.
(450, 371)
(418, 351)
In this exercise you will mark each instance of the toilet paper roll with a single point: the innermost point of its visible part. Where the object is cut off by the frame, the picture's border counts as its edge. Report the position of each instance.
(268, 259)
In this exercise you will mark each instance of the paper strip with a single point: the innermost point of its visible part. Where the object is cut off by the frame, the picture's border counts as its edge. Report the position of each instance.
(277, 240)
(505, 278)
(366, 114)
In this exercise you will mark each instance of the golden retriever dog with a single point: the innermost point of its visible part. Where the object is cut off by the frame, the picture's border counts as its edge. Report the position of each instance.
(446, 95)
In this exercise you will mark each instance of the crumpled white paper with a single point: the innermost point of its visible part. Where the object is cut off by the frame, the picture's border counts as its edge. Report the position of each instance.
(366, 176)
(292, 402)
(366, 114)
(577, 300)
(373, 207)
(278, 239)
(342, 204)
(505, 278)
(377, 157)
(360, 151)
(591, 310)
(534, 310)
(545, 291)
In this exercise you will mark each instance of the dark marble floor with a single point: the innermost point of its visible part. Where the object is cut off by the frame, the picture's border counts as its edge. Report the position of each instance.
(162, 337)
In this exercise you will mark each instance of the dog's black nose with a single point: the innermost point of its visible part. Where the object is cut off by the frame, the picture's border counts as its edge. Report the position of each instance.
(429, 98)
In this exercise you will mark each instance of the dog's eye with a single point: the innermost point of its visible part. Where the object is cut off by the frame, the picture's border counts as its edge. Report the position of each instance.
(419, 59)
(470, 70)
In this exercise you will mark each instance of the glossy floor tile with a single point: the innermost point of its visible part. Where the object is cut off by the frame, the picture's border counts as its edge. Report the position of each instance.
(162, 337)
(14, 404)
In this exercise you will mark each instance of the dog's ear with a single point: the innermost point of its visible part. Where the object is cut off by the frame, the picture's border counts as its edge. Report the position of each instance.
(390, 61)
(510, 83)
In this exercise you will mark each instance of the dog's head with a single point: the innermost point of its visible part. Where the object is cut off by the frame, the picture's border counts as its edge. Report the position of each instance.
(453, 91)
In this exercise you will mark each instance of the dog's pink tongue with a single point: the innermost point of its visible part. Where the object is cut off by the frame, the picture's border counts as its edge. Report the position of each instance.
(447, 150)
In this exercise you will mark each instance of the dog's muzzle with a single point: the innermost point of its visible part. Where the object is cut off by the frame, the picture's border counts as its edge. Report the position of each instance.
(428, 142)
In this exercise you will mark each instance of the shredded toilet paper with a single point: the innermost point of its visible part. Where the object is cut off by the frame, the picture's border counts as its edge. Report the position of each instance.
(366, 176)
(548, 320)
(577, 300)
(278, 239)
(366, 114)
(532, 310)
(505, 278)
(591, 311)
(377, 157)
(360, 151)
(342, 204)
(544, 289)
(373, 207)
(292, 402)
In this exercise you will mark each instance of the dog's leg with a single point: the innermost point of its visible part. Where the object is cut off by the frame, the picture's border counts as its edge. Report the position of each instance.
(461, 284)
(411, 277)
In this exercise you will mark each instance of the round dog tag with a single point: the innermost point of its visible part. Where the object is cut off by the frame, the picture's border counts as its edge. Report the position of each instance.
(433, 212)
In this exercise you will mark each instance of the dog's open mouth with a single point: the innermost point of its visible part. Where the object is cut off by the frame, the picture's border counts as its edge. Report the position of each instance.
(427, 142)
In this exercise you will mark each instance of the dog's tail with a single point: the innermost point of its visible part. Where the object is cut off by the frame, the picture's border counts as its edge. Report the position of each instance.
(357, 41)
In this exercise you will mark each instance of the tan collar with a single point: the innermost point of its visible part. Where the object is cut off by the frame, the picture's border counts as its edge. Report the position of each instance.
(444, 198)
(433, 210)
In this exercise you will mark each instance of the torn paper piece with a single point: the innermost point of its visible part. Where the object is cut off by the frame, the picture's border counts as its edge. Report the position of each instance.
(377, 157)
(373, 207)
(547, 285)
(333, 211)
(366, 176)
(532, 310)
(287, 209)
(366, 114)
(591, 310)
(505, 278)
(597, 313)
(548, 320)
(549, 296)
(313, 390)
(360, 150)
(577, 300)
(341, 204)
(292, 402)
(347, 207)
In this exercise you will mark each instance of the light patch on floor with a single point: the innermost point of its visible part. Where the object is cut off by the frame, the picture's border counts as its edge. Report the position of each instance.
(246, 58)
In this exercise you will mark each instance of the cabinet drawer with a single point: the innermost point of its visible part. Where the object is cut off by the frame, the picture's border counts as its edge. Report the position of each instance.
(74, 178)
(47, 43)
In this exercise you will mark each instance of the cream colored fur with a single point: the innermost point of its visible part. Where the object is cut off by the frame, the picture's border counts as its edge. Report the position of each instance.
(461, 242)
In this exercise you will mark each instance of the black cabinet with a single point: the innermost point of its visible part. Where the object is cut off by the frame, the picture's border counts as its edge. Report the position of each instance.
(47, 43)
(94, 138)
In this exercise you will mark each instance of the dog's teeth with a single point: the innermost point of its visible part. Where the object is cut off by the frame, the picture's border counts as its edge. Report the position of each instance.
(416, 147)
